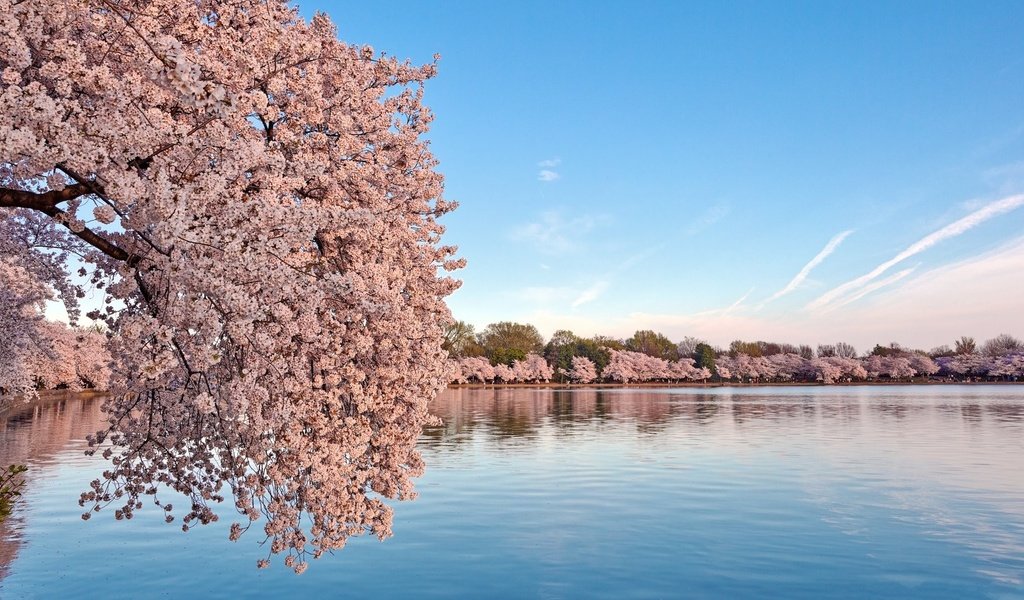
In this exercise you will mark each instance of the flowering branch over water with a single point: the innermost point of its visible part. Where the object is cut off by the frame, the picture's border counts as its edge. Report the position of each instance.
(256, 202)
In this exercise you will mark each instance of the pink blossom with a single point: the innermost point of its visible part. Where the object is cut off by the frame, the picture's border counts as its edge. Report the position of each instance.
(274, 290)
(532, 369)
(104, 214)
(583, 370)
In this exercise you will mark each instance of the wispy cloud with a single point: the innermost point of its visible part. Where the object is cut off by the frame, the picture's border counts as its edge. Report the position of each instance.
(601, 286)
(547, 172)
(708, 218)
(875, 285)
(952, 230)
(980, 296)
(590, 294)
(555, 234)
(794, 283)
(725, 312)
(721, 311)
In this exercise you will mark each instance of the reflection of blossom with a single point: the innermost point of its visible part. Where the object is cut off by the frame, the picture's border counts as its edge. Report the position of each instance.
(35, 434)
(524, 412)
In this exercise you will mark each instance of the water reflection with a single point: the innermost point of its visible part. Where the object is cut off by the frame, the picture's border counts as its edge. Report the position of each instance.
(34, 434)
(947, 434)
(745, 492)
(506, 414)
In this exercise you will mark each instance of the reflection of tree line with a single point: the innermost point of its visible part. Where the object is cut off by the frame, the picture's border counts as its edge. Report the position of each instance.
(33, 434)
(509, 414)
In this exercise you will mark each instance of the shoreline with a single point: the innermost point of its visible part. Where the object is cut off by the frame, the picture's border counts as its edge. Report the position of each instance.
(11, 406)
(690, 384)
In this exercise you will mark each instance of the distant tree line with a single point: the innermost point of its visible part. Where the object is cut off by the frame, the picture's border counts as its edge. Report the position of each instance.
(60, 357)
(508, 352)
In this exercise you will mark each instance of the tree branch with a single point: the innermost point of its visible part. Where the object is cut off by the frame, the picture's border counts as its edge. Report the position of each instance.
(47, 202)
(23, 199)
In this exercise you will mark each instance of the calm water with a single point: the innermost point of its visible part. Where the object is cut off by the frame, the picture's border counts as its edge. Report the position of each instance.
(784, 492)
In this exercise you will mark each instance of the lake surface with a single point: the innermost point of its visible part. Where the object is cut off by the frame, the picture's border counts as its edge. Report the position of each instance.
(802, 492)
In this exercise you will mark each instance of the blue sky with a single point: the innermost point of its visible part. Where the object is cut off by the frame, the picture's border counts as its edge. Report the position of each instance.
(679, 166)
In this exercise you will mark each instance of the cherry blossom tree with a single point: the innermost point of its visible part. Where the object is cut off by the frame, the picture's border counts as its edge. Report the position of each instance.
(898, 367)
(535, 371)
(532, 368)
(504, 373)
(21, 302)
(626, 366)
(849, 368)
(92, 360)
(620, 367)
(873, 366)
(724, 366)
(922, 364)
(825, 370)
(764, 369)
(70, 358)
(35, 353)
(57, 369)
(652, 368)
(683, 369)
(458, 376)
(686, 369)
(702, 373)
(256, 201)
(966, 365)
(1009, 366)
(790, 366)
(26, 283)
(744, 367)
(475, 368)
(582, 371)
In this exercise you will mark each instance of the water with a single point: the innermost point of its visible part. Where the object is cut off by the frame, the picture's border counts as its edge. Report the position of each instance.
(803, 492)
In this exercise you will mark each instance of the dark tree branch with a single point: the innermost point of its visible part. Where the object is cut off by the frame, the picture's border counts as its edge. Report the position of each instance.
(47, 202)
(41, 201)
(97, 189)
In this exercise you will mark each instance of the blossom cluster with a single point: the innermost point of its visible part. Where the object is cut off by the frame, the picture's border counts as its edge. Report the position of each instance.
(36, 353)
(627, 366)
(532, 369)
(583, 370)
(1007, 365)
